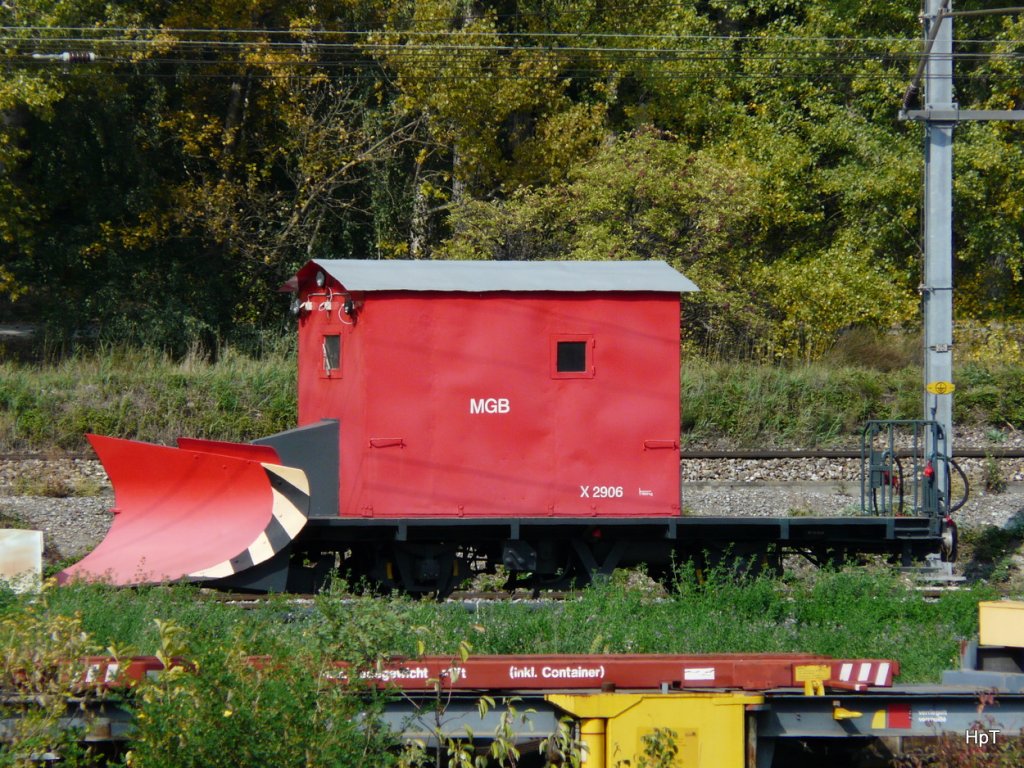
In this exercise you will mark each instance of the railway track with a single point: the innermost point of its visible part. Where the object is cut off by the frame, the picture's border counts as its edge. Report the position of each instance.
(744, 484)
(686, 454)
(469, 598)
(760, 455)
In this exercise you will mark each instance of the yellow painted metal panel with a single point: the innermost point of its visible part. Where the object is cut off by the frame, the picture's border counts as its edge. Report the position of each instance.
(1001, 623)
(592, 734)
(707, 729)
(805, 672)
(603, 705)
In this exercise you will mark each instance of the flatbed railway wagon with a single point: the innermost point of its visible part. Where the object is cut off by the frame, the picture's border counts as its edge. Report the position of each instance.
(761, 710)
(454, 417)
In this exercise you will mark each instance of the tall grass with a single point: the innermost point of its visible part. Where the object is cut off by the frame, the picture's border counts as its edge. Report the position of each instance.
(839, 614)
(806, 405)
(148, 396)
(842, 614)
(144, 395)
(201, 715)
(822, 404)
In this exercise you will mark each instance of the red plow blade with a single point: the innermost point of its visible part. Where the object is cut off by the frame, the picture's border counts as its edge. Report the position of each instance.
(202, 511)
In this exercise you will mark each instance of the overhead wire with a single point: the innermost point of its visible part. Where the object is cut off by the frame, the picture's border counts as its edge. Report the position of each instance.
(307, 38)
(439, 50)
(157, 35)
(460, 32)
(367, 51)
(305, 47)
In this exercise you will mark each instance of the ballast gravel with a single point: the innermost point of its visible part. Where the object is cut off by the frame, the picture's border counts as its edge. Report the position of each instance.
(73, 525)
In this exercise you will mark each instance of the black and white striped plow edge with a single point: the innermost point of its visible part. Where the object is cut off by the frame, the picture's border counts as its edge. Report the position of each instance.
(290, 490)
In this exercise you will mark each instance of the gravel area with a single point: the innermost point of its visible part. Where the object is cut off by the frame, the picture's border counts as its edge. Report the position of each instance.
(827, 487)
(72, 525)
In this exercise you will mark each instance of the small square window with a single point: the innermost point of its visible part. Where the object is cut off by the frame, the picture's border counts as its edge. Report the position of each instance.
(332, 356)
(572, 356)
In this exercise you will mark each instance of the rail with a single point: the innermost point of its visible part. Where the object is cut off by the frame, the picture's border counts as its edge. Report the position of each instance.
(686, 454)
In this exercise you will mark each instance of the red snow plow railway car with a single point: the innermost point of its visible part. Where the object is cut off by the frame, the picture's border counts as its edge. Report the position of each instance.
(453, 416)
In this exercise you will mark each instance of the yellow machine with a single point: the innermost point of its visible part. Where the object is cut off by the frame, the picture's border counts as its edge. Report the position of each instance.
(706, 730)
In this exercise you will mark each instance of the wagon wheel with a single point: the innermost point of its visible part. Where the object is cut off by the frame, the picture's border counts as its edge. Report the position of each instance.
(572, 574)
(418, 570)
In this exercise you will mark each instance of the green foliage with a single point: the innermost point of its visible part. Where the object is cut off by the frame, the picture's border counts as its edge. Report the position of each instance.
(802, 405)
(164, 204)
(562, 747)
(503, 114)
(954, 751)
(990, 343)
(993, 480)
(819, 404)
(646, 195)
(230, 712)
(660, 748)
(53, 484)
(40, 651)
(358, 629)
(880, 351)
(144, 395)
(827, 612)
(150, 397)
(716, 214)
(990, 389)
(992, 553)
(222, 709)
(833, 613)
(812, 312)
(171, 185)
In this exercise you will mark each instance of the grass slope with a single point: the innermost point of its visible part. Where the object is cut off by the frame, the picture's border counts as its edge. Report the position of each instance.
(147, 396)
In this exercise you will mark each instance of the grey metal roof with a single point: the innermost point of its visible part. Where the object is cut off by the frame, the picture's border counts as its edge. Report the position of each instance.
(484, 276)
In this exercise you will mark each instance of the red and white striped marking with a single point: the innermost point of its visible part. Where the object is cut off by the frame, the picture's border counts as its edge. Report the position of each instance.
(878, 673)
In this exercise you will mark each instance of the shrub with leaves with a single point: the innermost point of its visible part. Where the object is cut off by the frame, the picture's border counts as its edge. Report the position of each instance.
(993, 478)
(952, 750)
(41, 667)
(231, 710)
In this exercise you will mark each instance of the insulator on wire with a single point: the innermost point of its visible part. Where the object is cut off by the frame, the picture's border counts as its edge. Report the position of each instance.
(72, 57)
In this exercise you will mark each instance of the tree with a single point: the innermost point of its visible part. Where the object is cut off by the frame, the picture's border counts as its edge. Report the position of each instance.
(186, 189)
(163, 191)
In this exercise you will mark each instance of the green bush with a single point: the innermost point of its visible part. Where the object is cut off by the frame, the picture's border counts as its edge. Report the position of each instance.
(820, 405)
(230, 712)
(39, 659)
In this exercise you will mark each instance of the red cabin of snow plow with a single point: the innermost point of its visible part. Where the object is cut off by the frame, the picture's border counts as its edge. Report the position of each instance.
(453, 417)
(495, 389)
